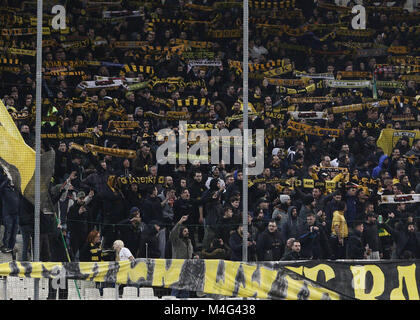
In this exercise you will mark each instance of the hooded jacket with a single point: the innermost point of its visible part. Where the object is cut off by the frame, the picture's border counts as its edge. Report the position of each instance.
(291, 227)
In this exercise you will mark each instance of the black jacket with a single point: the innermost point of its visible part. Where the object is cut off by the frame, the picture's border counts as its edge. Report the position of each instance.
(401, 238)
(235, 244)
(77, 223)
(224, 228)
(291, 256)
(270, 246)
(355, 248)
(371, 236)
(314, 244)
(151, 210)
(182, 207)
(149, 244)
(213, 211)
(130, 235)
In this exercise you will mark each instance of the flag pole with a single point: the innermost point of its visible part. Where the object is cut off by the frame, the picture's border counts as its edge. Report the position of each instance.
(38, 141)
(245, 133)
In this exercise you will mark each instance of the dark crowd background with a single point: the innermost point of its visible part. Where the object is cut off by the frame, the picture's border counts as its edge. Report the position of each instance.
(196, 211)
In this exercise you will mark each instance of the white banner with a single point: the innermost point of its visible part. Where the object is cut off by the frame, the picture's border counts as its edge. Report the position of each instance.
(204, 62)
(348, 83)
(120, 14)
(328, 76)
(128, 80)
(310, 115)
(100, 84)
(401, 198)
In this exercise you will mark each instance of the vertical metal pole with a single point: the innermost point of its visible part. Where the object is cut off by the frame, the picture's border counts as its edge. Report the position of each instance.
(38, 140)
(5, 288)
(245, 133)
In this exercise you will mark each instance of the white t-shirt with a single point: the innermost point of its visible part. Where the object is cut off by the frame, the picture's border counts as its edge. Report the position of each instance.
(125, 254)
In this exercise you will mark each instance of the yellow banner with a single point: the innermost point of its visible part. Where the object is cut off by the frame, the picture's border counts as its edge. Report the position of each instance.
(15, 154)
(388, 138)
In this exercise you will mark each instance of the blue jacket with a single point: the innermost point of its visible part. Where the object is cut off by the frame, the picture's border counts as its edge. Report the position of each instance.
(377, 169)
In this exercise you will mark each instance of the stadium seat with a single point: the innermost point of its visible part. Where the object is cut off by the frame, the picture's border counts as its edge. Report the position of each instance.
(130, 293)
(169, 298)
(147, 294)
(110, 294)
(92, 294)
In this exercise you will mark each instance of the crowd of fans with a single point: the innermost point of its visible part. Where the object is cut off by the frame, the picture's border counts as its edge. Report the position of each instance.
(194, 210)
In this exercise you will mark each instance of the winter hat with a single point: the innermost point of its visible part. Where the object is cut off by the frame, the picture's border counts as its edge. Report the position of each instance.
(284, 198)
(308, 200)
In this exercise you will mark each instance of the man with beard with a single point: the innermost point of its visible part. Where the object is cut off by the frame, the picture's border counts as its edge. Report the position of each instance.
(270, 246)
(294, 254)
(130, 230)
(183, 207)
(215, 174)
(406, 239)
(291, 226)
(182, 248)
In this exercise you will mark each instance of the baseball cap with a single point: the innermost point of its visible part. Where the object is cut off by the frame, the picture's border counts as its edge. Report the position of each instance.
(81, 194)
(134, 209)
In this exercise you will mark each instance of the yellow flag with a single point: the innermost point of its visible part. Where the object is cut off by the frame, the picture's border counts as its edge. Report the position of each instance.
(388, 138)
(14, 151)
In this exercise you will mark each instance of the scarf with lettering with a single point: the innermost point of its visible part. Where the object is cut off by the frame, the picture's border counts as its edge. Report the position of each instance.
(348, 84)
(353, 74)
(359, 106)
(401, 198)
(311, 88)
(97, 85)
(203, 63)
(288, 82)
(313, 130)
(309, 115)
(300, 74)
